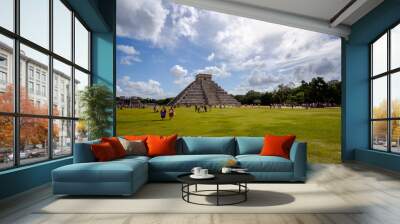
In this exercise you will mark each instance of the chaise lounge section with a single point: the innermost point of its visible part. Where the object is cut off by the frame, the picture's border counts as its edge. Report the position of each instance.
(125, 176)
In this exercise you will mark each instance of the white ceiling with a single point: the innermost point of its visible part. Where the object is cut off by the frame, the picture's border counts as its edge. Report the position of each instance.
(315, 15)
(321, 9)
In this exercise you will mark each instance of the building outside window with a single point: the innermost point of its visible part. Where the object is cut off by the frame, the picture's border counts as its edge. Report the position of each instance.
(37, 74)
(3, 78)
(43, 90)
(34, 75)
(38, 89)
(3, 61)
(30, 72)
(3, 71)
(44, 77)
(30, 87)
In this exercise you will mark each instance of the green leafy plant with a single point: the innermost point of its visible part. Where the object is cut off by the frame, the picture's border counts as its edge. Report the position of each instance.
(97, 104)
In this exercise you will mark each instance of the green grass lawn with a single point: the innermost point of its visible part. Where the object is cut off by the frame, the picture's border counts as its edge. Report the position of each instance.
(320, 128)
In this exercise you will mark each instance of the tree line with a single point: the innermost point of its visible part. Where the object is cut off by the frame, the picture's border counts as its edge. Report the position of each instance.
(316, 93)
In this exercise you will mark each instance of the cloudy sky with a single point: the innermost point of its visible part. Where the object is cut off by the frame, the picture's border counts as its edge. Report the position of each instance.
(162, 46)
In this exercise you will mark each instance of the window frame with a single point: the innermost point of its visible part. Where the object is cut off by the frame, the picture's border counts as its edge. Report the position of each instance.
(388, 74)
(16, 114)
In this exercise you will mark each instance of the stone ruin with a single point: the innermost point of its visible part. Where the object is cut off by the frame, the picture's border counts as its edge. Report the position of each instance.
(204, 91)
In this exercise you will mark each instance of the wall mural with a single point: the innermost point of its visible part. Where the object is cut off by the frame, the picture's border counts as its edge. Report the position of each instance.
(201, 73)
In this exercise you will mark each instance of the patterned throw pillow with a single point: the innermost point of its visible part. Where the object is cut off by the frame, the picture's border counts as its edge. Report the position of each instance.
(137, 147)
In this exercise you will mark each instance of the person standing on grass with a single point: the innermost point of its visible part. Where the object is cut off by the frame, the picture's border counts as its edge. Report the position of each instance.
(163, 113)
(171, 113)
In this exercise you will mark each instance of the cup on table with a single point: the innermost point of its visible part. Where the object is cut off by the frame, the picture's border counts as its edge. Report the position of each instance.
(203, 172)
(196, 171)
(226, 170)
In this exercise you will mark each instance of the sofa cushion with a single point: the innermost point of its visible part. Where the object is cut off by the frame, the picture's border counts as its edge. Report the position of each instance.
(257, 163)
(249, 145)
(161, 145)
(116, 145)
(208, 145)
(112, 171)
(136, 137)
(277, 145)
(132, 158)
(185, 163)
(103, 152)
(136, 147)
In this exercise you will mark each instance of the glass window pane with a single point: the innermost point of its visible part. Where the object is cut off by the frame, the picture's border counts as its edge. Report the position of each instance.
(395, 47)
(395, 94)
(34, 72)
(379, 55)
(6, 142)
(81, 45)
(7, 14)
(62, 138)
(35, 21)
(62, 89)
(379, 135)
(81, 131)
(379, 97)
(62, 29)
(81, 82)
(6, 74)
(395, 138)
(33, 139)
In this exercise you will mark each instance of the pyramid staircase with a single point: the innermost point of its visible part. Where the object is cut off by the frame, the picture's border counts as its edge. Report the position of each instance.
(204, 91)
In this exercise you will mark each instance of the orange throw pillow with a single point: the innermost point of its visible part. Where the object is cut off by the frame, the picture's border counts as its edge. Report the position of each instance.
(161, 145)
(116, 145)
(136, 137)
(103, 152)
(277, 145)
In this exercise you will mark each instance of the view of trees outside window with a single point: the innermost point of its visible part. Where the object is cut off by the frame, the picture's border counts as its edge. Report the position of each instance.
(386, 112)
(45, 131)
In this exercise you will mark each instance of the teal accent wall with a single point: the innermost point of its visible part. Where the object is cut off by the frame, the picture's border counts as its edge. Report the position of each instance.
(100, 17)
(24, 178)
(355, 73)
(103, 64)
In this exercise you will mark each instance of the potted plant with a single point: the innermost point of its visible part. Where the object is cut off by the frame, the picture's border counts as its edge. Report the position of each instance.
(97, 102)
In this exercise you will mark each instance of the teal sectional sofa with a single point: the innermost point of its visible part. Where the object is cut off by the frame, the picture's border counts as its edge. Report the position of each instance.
(125, 176)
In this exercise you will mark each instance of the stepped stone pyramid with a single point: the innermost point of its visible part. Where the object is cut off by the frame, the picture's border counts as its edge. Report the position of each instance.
(204, 91)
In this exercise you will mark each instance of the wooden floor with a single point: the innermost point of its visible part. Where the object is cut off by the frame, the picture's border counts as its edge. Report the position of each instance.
(379, 189)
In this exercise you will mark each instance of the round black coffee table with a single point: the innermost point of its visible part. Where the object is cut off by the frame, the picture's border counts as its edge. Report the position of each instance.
(238, 179)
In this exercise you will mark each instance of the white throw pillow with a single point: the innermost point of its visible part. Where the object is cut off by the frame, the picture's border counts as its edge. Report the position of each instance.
(137, 148)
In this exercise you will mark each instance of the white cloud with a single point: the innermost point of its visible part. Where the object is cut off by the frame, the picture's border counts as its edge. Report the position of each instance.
(131, 54)
(181, 75)
(147, 89)
(129, 59)
(263, 79)
(183, 20)
(211, 57)
(219, 72)
(126, 49)
(140, 19)
(184, 80)
(178, 71)
(262, 54)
